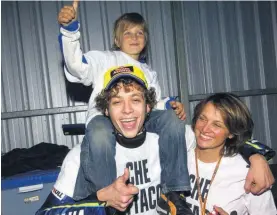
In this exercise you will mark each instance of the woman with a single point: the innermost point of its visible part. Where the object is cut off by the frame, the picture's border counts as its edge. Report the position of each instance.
(222, 123)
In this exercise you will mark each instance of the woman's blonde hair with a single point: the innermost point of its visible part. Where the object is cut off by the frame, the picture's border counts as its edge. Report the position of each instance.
(124, 22)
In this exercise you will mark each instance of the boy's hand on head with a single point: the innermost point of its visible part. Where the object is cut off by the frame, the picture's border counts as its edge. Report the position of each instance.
(68, 13)
(179, 109)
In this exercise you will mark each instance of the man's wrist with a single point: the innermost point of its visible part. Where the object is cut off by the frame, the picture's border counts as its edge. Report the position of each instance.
(256, 157)
(100, 195)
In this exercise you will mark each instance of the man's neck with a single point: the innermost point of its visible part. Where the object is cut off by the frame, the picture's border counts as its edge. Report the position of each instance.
(135, 142)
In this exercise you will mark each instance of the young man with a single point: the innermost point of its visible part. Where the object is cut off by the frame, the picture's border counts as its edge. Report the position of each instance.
(126, 101)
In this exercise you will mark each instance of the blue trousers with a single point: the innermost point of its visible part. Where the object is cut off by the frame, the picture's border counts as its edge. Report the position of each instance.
(98, 167)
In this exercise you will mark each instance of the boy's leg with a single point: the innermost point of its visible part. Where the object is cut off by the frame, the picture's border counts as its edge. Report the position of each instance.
(173, 152)
(97, 162)
(173, 159)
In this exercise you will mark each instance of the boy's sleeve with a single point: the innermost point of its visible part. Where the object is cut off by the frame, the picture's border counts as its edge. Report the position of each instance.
(252, 147)
(154, 82)
(76, 66)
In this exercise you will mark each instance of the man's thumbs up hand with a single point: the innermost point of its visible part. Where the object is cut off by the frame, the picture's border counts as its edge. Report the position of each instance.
(119, 194)
(68, 13)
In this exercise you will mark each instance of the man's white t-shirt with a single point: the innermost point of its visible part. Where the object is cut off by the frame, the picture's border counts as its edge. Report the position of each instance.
(144, 167)
(145, 170)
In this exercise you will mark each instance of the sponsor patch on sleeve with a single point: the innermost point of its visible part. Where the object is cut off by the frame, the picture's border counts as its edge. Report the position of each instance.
(58, 194)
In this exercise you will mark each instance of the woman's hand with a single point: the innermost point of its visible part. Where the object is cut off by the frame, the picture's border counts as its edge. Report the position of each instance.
(218, 211)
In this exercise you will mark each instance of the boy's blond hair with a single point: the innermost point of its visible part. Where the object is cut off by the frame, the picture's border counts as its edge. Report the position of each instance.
(124, 22)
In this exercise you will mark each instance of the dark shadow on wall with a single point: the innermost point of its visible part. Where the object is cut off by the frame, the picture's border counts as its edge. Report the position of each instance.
(78, 92)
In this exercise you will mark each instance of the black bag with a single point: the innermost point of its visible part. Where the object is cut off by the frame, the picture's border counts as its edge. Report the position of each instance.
(42, 156)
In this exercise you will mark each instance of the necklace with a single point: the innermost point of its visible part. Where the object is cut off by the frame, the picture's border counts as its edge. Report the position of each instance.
(203, 203)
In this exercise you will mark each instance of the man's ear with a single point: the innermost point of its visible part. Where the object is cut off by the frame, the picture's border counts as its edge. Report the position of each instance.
(148, 108)
(106, 112)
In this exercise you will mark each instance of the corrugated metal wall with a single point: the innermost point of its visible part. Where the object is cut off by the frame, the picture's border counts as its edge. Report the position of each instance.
(33, 81)
(197, 48)
(232, 46)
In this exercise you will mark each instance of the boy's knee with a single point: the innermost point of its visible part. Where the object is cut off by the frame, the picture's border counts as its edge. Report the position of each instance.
(99, 126)
(99, 133)
(171, 117)
(171, 114)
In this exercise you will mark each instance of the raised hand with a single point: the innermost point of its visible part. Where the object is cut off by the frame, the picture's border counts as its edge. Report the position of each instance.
(68, 13)
(119, 194)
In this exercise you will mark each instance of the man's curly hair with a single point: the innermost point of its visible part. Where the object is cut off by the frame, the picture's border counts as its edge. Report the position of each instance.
(103, 99)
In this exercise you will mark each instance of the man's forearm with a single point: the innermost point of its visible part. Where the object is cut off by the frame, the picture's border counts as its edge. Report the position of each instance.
(252, 147)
